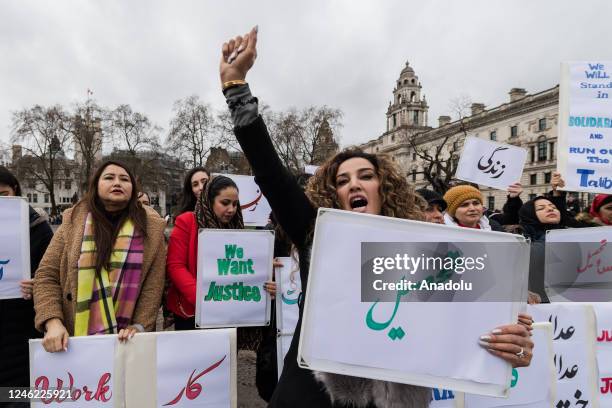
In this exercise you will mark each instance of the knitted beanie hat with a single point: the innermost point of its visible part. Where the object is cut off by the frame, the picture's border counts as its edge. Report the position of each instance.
(458, 194)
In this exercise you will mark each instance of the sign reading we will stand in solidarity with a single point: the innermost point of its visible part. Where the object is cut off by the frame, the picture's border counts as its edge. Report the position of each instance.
(233, 266)
(491, 164)
(14, 245)
(433, 344)
(585, 126)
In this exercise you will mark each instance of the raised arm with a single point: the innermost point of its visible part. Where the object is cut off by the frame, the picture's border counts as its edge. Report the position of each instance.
(292, 208)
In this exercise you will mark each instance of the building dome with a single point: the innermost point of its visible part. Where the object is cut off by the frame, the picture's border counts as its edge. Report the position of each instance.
(407, 70)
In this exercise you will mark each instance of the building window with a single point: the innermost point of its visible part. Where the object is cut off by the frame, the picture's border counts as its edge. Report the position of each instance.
(416, 117)
(393, 138)
(67, 172)
(34, 198)
(394, 119)
(414, 156)
(542, 124)
(413, 175)
(493, 135)
(491, 203)
(551, 148)
(542, 150)
(532, 196)
(29, 198)
(533, 179)
(46, 198)
(377, 149)
(547, 177)
(513, 131)
(67, 184)
(532, 153)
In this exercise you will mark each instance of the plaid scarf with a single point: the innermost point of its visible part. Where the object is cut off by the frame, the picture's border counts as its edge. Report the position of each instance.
(106, 300)
(204, 214)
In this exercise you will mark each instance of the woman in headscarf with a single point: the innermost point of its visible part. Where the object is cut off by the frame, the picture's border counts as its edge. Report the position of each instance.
(107, 240)
(217, 207)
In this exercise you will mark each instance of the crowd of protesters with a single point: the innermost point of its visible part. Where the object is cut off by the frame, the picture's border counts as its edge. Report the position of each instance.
(108, 267)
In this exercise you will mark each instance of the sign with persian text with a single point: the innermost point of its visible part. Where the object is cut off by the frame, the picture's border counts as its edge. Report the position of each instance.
(574, 340)
(233, 266)
(89, 384)
(585, 126)
(254, 206)
(429, 344)
(288, 289)
(490, 164)
(14, 246)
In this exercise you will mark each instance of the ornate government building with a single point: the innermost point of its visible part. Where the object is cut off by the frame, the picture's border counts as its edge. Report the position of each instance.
(525, 120)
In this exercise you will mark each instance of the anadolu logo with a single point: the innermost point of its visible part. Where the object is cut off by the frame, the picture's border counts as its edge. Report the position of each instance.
(2, 263)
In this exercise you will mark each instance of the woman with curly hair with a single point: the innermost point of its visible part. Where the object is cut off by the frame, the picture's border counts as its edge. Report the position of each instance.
(351, 180)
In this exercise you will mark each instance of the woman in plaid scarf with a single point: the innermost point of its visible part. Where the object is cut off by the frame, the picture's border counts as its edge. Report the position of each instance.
(103, 272)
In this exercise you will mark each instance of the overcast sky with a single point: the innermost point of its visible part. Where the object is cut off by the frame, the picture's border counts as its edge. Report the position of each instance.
(345, 54)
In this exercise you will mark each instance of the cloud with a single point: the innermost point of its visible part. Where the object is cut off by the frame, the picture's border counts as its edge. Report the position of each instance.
(344, 54)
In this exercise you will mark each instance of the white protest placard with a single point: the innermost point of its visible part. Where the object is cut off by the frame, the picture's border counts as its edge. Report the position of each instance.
(86, 372)
(432, 344)
(574, 332)
(533, 386)
(288, 289)
(14, 246)
(579, 264)
(233, 266)
(310, 169)
(490, 163)
(255, 208)
(194, 368)
(603, 315)
(585, 126)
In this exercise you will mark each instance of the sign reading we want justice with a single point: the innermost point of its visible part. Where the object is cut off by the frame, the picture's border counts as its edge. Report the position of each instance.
(585, 131)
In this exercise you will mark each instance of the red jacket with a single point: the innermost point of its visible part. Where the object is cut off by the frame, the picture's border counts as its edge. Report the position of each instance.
(182, 265)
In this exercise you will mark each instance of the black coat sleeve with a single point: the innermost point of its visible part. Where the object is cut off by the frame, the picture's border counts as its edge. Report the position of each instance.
(294, 212)
(40, 237)
(510, 211)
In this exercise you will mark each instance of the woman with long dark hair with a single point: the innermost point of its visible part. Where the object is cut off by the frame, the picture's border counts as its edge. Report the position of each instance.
(193, 184)
(351, 180)
(17, 315)
(107, 240)
(217, 207)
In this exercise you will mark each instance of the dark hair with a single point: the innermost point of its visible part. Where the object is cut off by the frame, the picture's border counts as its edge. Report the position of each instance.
(6, 177)
(144, 193)
(105, 231)
(188, 200)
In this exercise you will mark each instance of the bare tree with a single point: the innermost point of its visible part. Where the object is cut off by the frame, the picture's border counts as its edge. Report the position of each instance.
(440, 158)
(193, 131)
(87, 136)
(307, 136)
(137, 139)
(44, 134)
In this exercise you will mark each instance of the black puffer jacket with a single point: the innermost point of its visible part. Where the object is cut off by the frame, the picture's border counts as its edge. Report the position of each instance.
(17, 315)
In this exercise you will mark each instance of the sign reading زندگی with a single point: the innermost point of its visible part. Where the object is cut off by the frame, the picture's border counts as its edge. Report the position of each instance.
(585, 126)
(233, 266)
(14, 246)
(490, 164)
(254, 206)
